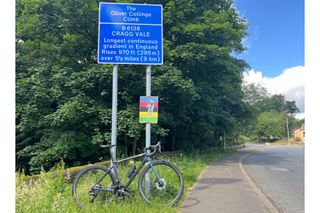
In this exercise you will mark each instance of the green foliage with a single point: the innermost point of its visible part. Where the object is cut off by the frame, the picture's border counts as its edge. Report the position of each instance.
(274, 103)
(268, 113)
(291, 107)
(72, 147)
(64, 97)
(51, 192)
(254, 93)
(270, 124)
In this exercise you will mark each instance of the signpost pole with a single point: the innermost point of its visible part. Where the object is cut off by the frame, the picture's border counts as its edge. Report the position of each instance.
(288, 130)
(224, 141)
(114, 112)
(148, 93)
(148, 125)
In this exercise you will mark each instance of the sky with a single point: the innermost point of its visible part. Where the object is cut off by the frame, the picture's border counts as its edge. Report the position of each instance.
(275, 46)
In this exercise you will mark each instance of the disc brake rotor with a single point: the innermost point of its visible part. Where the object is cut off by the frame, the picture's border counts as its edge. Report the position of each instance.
(161, 184)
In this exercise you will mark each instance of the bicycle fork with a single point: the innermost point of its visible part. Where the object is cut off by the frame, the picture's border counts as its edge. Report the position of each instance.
(160, 183)
(154, 170)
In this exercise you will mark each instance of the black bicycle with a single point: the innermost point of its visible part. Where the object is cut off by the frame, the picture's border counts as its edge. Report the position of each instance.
(159, 182)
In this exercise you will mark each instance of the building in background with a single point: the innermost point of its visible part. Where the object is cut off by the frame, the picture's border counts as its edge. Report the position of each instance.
(299, 134)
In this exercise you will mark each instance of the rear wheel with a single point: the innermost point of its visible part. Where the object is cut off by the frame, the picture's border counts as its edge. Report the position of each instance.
(166, 189)
(93, 184)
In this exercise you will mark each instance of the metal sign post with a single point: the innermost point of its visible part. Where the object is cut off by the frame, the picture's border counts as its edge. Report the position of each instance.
(148, 125)
(114, 112)
(224, 141)
(287, 122)
(148, 93)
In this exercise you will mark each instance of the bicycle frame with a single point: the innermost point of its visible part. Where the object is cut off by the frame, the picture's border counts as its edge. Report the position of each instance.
(149, 170)
(114, 170)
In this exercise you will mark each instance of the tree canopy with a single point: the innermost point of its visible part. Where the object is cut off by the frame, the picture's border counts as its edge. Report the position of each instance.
(269, 113)
(63, 97)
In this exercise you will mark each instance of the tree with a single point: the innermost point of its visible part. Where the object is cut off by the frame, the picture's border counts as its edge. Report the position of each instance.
(291, 107)
(201, 36)
(270, 124)
(254, 93)
(263, 105)
(64, 96)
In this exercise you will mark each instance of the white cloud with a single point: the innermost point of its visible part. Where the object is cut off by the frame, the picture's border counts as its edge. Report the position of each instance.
(290, 83)
(245, 42)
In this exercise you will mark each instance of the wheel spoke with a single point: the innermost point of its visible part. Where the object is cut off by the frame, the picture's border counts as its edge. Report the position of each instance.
(168, 189)
(88, 186)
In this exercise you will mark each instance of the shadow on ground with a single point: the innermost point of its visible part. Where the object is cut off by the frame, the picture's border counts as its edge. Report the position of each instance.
(207, 182)
(268, 158)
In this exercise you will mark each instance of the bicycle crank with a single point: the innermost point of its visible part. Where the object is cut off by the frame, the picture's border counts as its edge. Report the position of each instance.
(121, 193)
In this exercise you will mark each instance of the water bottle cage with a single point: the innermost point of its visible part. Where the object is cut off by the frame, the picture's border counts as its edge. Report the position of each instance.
(131, 171)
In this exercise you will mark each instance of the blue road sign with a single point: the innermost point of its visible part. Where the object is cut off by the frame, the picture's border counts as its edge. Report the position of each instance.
(130, 34)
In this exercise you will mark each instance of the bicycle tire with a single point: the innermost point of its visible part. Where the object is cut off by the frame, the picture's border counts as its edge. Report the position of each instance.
(173, 183)
(82, 191)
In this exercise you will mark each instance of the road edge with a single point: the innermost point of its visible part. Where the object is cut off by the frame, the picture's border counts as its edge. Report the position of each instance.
(267, 201)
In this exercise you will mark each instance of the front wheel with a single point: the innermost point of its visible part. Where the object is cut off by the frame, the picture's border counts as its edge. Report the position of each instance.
(93, 184)
(166, 183)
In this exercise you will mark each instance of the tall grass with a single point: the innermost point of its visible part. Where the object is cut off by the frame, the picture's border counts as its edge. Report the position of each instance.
(51, 192)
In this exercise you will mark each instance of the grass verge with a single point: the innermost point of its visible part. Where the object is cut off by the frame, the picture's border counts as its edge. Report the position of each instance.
(50, 193)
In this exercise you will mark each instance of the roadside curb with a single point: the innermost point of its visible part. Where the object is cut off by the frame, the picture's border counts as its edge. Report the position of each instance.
(196, 183)
(267, 201)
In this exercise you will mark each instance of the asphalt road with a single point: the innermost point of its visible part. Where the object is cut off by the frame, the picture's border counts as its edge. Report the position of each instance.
(278, 171)
(222, 188)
